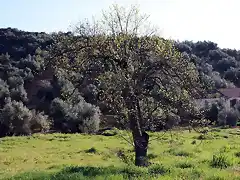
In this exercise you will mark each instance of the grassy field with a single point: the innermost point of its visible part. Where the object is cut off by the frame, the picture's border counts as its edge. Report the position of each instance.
(176, 155)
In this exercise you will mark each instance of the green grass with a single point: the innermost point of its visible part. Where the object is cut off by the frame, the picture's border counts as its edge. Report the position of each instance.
(176, 155)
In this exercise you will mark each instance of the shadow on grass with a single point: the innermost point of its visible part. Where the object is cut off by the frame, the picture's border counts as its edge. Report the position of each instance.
(82, 173)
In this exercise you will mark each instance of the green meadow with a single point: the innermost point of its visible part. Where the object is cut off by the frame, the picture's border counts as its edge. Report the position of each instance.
(178, 154)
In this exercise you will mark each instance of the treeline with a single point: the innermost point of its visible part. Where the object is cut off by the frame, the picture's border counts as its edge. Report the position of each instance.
(65, 106)
(220, 66)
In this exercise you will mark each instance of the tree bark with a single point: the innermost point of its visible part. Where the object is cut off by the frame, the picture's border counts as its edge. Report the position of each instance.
(140, 137)
(141, 147)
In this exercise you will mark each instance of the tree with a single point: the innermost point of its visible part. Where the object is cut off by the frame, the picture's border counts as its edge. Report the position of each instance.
(137, 70)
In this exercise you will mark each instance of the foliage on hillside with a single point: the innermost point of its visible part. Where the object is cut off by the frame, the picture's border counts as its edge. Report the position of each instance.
(22, 59)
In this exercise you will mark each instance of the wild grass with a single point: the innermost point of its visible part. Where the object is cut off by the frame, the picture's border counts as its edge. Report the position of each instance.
(175, 155)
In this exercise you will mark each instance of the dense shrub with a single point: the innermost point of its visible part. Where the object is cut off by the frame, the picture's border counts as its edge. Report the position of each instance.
(164, 122)
(19, 94)
(220, 161)
(4, 92)
(228, 117)
(17, 119)
(232, 118)
(237, 154)
(110, 132)
(212, 113)
(184, 165)
(91, 150)
(40, 122)
(80, 117)
(158, 169)
(222, 115)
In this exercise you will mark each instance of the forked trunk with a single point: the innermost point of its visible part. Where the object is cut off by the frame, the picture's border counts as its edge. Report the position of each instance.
(140, 137)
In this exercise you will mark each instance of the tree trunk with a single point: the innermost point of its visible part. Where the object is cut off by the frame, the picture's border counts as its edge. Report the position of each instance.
(141, 147)
(140, 137)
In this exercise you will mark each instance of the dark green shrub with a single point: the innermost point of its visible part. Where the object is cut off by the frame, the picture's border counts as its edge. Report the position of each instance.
(212, 114)
(158, 169)
(80, 117)
(4, 92)
(184, 165)
(237, 154)
(232, 118)
(92, 171)
(91, 150)
(19, 94)
(132, 171)
(224, 149)
(152, 156)
(71, 113)
(194, 142)
(40, 122)
(215, 177)
(220, 161)
(19, 120)
(204, 137)
(215, 130)
(182, 153)
(15, 81)
(228, 117)
(126, 158)
(179, 152)
(111, 132)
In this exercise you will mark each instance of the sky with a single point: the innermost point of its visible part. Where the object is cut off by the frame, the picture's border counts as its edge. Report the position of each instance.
(196, 20)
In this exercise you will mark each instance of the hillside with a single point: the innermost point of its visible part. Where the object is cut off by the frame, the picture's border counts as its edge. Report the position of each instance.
(22, 60)
(19, 44)
(219, 65)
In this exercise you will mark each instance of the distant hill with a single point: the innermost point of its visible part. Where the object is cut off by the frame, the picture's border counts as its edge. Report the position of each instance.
(222, 66)
(18, 44)
(19, 67)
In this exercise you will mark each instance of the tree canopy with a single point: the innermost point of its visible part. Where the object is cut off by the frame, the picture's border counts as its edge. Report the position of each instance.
(135, 69)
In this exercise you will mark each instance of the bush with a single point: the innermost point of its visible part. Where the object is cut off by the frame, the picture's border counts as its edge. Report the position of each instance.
(184, 165)
(194, 142)
(17, 119)
(204, 137)
(212, 113)
(110, 132)
(158, 169)
(40, 122)
(228, 117)
(91, 150)
(15, 81)
(220, 161)
(237, 154)
(177, 152)
(133, 172)
(19, 94)
(4, 93)
(71, 113)
(152, 156)
(232, 118)
(4, 89)
(80, 117)
(125, 158)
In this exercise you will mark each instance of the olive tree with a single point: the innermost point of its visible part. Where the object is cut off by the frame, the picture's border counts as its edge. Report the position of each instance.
(138, 71)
